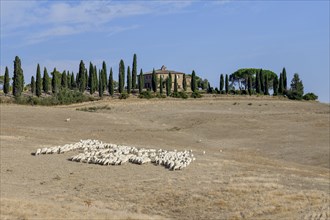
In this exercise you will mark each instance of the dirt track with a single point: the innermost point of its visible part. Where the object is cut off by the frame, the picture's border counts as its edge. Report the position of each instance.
(266, 159)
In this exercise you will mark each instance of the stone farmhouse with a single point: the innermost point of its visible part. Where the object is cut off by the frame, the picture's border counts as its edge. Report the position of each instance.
(163, 72)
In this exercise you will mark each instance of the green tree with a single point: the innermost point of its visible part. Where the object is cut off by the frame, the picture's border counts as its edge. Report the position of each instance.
(266, 90)
(101, 83)
(184, 82)
(281, 85)
(258, 89)
(121, 76)
(64, 80)
(54, 82)
(18, 79)
(38, 82)
(154, 81)
(285, 81)
(110, 84)
(104, 75)
(170, 82)
(227, 84)
(262, 81)
(221, 83)
(81, 78)
(275, 86)
(134, 72)
(141, 81)
(6, 82)
(96, 81)
(193, 82)
(250, 85)
(297, 88)
(175, 84)
(91, 80)
(161, 85)
(168, 86)
(33, 85)
(45, 81)
(129, 80)
(68, 80)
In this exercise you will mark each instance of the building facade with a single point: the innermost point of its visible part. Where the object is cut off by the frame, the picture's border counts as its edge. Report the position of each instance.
(163, 72)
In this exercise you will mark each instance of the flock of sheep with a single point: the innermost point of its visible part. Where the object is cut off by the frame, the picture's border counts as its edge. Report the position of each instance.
(97, 152)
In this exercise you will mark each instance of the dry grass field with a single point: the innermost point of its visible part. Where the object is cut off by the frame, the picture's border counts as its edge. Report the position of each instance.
(265, 159)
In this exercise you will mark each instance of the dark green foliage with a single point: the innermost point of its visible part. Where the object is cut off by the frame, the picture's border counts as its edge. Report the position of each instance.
(209, 88)
(91, 83)
(175, 84)
(193, 82)
(170, 82)
(310, 96)
(161, 85)
(184, 83)
(129, 80)
(18, 79)
(266, 90)
(275, 86)
(6, 82)
(45, 81)
(101, 84)
(182, 95)
(141, 81)
(134, 72)
(95, 79)
(81, 78)
(281, 85)
(123, 95)
(227, 84)
(54, 82)
(73, 81)
(68, 80)
(297, 88)
(258, 89)
(64, 80)
(38, 82)
(154, 81)
(121, 76)
(250, 85)
(196, 95)
(104, 75)
(221, 83)
(145, 95)
(262, 81)
(168, 86)
(33, 85)
(285, 81)
(110, 84)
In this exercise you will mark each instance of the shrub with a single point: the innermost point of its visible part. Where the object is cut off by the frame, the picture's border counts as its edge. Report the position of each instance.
(145, 95)
(196, 95)
(161, 96)
(123, 96)
(181, 94)
(294, 95)
(310, 96)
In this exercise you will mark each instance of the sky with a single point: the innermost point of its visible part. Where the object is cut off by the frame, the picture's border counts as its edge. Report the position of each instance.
(210, 37)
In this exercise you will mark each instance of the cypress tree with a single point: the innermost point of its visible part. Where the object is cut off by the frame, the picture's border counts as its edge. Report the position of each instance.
(129, 80)
(38, 82)
(227, 84)
(54, 82)
(281, 85)
(141, 81)
(18, 80)
(154, 81)
(121, 76)
(33, 85)
(170, 81)
(175, 84)
(221, 83)
(6, 82)
(209, 89)
(266, 92)
(91, 80)
(297, 87)
(161, 85)
(81, 79)
(110, 84)
(64, 80)
(285, 82)
(262, 81)
(73, 81)
(258, 83)
(184, 83)
(104, 75)
(101, 83)
(134, 72)
(275, 86)
(250, 85)
(168, 87)
(193, 81)
(86, 79)
(68, 80)
(96, 81)
(45, 81)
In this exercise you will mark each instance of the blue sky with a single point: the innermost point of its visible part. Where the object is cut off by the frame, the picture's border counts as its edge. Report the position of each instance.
(210, 37)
